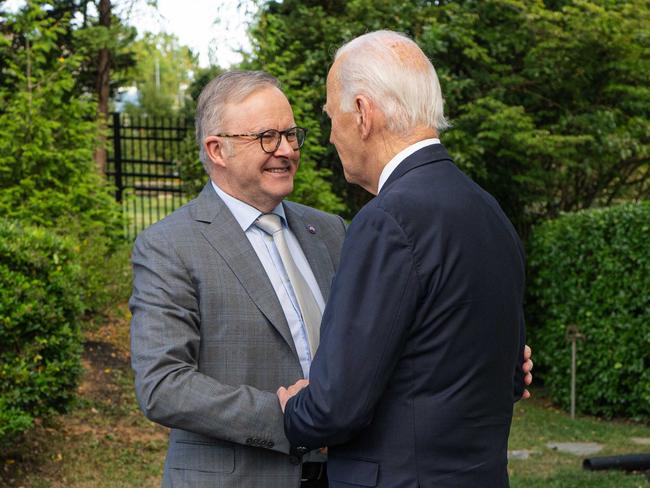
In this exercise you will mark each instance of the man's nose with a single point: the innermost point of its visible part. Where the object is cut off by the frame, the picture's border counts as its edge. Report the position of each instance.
(285, 148)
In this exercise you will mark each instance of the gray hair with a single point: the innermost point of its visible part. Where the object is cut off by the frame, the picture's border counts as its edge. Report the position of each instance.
(230, 87)
(392, 70)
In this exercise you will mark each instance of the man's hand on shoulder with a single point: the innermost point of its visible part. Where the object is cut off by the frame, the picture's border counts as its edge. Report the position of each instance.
(527, 367)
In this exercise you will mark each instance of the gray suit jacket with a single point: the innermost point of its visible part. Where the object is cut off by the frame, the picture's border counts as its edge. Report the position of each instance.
(210, 342)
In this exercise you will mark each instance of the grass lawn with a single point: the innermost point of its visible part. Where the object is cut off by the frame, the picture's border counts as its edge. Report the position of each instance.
(106, 442)
(537, 423)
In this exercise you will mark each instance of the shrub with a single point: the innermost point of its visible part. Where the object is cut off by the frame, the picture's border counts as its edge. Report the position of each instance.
(48, 131)
(40, 343)
(106, 278)
(591, 269)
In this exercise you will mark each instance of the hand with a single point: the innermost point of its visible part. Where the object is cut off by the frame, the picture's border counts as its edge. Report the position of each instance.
(284, 394)
(527, 367)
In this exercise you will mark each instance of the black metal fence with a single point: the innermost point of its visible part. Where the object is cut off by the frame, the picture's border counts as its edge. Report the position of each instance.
(142, 162)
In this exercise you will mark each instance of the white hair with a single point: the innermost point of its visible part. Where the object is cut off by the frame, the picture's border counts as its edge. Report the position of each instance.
(391, 69)
(230, 87)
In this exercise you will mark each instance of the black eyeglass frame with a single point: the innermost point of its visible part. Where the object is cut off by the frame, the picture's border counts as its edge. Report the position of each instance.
(278, 140)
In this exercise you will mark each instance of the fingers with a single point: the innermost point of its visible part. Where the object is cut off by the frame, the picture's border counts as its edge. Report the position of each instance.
(528, 362)
(297, 386)
(527, 366)
(284, 394)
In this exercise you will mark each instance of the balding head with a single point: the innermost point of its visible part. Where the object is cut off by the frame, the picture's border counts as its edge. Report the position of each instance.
(392, 70)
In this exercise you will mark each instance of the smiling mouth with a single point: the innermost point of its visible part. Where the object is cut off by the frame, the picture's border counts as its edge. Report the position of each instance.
(277, 170)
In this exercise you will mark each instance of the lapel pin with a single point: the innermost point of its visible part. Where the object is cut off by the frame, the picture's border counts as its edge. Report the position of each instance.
(311, 228)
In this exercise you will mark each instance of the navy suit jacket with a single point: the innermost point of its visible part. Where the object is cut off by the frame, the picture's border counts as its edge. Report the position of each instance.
(420, 357)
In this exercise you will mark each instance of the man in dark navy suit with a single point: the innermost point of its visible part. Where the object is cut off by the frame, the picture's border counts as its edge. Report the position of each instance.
(420, 355)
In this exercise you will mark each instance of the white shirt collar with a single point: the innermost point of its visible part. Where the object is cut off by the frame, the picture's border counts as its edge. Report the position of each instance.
(401, 156)
(244, 214)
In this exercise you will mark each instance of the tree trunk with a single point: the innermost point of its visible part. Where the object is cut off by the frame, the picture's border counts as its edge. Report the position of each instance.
(102, 87)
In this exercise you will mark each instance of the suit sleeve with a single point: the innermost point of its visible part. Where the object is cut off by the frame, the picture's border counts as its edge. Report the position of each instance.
(365, 326)
(165, 346)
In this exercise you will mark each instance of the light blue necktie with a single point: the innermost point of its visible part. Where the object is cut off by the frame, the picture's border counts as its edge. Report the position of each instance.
(311, 313)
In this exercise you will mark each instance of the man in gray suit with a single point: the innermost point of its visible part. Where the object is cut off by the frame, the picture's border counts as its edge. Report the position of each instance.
(216, 324)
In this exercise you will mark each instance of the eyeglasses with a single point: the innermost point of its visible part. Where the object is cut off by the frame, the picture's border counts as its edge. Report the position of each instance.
(270, 139)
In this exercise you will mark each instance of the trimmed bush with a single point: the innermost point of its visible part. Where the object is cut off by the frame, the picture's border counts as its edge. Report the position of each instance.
(591, 269)
(40, 341)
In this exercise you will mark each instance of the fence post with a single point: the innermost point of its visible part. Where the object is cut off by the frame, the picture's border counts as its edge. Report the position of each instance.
(117, 156)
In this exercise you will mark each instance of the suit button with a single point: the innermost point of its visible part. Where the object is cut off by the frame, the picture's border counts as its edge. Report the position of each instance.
(270, 444)
(302, 450)
(294, 459)
(249, 441)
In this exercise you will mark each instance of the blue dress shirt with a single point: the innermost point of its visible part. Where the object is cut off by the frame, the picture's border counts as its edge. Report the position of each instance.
(266, 251)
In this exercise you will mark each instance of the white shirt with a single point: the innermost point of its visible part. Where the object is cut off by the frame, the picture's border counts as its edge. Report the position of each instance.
(401, 156)
(269, 256)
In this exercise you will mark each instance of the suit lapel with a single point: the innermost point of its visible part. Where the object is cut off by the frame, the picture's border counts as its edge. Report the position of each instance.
(313, 246)
(228, 239)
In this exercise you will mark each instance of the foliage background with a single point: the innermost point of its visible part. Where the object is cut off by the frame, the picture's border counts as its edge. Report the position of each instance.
(549, 100)
(48, 132)
(40, 308)
(591, 269)
(163, 68)
(64, 225)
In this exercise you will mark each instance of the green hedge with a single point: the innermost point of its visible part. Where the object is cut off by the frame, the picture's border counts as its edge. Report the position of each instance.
(40, 341)
(591, 269)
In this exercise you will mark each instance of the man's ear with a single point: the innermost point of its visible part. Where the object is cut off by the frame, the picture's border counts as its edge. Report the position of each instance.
(215, 150)
(365, 114)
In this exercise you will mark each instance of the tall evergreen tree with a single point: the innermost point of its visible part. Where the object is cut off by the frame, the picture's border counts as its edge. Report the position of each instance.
(92, 30)
(48, 132)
